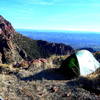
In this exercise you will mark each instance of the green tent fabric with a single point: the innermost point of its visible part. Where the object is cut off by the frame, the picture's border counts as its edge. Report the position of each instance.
(80, 63)
(70, 66)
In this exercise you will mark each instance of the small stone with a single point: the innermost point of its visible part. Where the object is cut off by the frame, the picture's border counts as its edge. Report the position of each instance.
(69, 94)
(54, 89)
(66, 94)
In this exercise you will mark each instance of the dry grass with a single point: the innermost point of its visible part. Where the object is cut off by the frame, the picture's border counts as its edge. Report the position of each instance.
(7, 66)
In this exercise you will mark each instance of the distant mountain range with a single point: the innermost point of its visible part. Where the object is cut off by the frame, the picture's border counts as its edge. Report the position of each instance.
(73, 38)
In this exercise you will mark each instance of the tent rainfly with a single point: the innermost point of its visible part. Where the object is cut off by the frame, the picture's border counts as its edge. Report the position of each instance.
(80, 63)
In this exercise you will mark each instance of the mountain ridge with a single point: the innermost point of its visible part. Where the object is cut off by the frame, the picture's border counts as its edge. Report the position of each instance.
(15, 47)
(40, 48)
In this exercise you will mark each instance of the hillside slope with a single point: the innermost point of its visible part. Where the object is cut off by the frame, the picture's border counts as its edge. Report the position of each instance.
(38, 48)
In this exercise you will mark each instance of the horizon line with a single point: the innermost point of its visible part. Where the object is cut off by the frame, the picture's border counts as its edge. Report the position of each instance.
(63, 30)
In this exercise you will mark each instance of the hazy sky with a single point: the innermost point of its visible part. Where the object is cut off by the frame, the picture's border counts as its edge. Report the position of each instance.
(52, 14)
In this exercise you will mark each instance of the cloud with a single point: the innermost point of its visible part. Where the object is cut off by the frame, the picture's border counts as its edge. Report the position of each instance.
(44, 3)
(3, 9)
(38, 2)
(55, 2)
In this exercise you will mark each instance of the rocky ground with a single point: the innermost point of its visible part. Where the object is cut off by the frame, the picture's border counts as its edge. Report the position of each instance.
(42, 81)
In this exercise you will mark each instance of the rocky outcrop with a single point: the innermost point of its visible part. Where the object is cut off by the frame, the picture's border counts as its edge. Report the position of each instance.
(8, 50)
(54, 48)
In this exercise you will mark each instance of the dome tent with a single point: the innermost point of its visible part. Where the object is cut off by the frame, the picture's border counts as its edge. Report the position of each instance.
(87, 62)
(80, 63)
